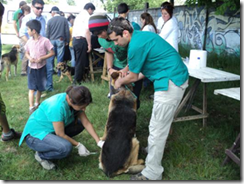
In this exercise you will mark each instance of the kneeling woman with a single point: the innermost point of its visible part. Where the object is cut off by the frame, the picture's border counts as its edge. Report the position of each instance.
(49, 129)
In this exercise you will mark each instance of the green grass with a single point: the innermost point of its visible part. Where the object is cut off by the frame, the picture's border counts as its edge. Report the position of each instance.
(192, 152)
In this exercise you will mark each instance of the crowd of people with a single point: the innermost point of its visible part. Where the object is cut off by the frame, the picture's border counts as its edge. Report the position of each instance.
(146, 52)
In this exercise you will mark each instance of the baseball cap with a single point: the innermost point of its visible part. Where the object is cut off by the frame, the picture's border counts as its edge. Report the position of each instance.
(55, 8)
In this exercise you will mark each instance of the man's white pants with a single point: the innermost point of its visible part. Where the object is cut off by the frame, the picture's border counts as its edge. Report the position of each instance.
(164, 107)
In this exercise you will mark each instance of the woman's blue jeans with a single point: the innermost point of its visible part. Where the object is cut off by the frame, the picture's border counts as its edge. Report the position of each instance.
(53, 146)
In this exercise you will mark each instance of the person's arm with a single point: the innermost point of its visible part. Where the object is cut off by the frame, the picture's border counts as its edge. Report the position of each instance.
(110, 61)
(27, 55)
(50, 54)
(88, 39)
(59, 131)
(88, 126)
(131, 77)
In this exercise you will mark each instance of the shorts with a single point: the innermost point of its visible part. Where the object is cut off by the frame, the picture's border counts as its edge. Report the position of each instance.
(37, 78)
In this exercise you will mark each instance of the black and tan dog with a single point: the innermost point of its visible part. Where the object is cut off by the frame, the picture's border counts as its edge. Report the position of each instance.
(120, 150)
(9, 59)
(65, 70)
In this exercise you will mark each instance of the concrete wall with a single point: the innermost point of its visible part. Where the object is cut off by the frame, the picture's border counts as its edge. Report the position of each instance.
(223, 32)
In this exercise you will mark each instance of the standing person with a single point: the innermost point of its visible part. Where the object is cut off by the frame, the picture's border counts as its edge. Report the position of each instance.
(116, 55)
(170, 81)
(57, 32)
(148, 23)
(49, 130)
(71, 20)
(169, 29)
(123, 10)
(7, 133)
(37, 8)
(38, 49)
(82, 41)
(16, 17)
(25, 10)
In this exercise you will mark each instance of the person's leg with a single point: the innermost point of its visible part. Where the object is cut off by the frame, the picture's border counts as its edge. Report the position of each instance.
(79, 60)
(72, 56)
(24, 60)
(8, 134)
(60, 52)
(74, 128)
(3, 118)
(137, 90)
(31, 98)
(51, 147)
(49, 69)
(164, 107)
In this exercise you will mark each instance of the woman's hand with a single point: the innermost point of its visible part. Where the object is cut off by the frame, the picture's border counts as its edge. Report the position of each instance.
(100, 143)
(82, 151)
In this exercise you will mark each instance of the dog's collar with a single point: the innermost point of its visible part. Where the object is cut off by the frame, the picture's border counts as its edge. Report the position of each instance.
(65, 70)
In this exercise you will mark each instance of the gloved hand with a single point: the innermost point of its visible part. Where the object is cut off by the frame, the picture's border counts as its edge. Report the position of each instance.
(100, 143)
(82, 151)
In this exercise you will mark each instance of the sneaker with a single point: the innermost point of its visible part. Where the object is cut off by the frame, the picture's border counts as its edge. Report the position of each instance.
(32, 109)
(43, 94)
(46, 164)
(23, 74)
(36, 105)
(15, 135)
(108, 95)
(139, 176)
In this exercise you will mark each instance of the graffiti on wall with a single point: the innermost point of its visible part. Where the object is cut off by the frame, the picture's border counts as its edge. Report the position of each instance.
(223, 32)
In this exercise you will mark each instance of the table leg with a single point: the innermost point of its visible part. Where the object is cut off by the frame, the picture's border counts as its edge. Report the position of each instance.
(204, 104)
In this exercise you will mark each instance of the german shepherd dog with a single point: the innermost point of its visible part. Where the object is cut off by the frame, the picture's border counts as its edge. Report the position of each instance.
(65, 70)
(120, 150)
(9, 59)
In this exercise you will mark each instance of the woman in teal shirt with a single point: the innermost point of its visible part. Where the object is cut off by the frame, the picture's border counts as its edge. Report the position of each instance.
(49, 130)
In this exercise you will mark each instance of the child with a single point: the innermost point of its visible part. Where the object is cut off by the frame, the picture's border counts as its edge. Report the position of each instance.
(38, 49)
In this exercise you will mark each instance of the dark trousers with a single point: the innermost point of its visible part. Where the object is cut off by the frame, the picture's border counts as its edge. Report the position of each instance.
(81, 57)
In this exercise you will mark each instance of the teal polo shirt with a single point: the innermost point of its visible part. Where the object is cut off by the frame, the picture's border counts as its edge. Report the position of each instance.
(120, 53)
(155, 58)
(53, 109)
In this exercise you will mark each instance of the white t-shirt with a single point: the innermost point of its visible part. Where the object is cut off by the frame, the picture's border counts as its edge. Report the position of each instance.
(149, 28)
(81, 24)
(170, 32)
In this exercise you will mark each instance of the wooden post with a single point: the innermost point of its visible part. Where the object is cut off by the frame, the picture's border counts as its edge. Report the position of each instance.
(146, 7)
(114, 11)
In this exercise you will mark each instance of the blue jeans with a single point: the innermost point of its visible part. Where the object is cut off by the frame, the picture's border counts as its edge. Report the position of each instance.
(58, 47)
(72, 53)
(53, 146)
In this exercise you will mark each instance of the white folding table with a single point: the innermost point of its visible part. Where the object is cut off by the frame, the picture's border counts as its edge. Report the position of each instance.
(203, 75)
(235, 148)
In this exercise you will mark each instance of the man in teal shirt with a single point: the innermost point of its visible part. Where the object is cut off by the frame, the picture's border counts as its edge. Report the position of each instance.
(151, 56)
(116, 56)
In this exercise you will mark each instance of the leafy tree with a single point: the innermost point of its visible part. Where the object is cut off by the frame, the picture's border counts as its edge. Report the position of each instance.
(134, 4)
(221, 5)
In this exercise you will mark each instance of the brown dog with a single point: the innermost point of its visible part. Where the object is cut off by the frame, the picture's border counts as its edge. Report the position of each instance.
(9, 59)
(120, 150)
(65, 70)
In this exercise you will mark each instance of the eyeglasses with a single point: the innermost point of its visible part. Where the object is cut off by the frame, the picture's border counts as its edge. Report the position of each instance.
(39, 8)
(165, 7)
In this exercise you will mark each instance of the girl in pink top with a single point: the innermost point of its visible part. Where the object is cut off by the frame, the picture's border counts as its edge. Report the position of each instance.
(38, 49)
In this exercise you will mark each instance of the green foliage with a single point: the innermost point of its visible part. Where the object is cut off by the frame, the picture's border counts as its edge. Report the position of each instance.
(221, 5)
(191, 153)
(71, 2)
(133, 4)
